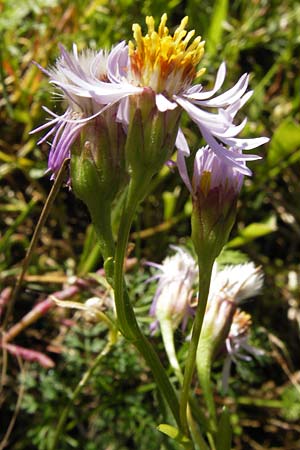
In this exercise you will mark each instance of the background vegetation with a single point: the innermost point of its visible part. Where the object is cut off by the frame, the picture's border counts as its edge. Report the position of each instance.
(119, 409)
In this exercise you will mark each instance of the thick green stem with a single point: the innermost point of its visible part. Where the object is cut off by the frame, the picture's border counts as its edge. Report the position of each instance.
(126, 318)
(204, 363)
(204, 283)
(101, 219)
(168, 339)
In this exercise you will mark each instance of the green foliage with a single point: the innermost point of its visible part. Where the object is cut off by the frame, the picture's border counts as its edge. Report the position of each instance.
(114, 408)
(118, 409)
(291, 403)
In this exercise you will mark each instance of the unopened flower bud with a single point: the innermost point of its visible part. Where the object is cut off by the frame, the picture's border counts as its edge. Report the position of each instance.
(215, 188)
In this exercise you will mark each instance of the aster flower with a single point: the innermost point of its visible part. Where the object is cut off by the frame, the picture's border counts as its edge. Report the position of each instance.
(88, 133)
(229, 287)
(167, 65)
(172, 301)
(178, 274)
(223, 326)
(90, 67)
(215, 186)
(237, 282)
(159, 63)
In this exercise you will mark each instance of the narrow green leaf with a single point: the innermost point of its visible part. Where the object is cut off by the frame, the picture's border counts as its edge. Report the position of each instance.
(224, 434)
(253, 231)
(169, 430)
(175, 434)
(215, 31)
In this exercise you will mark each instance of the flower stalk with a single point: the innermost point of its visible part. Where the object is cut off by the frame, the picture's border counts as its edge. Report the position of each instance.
(204, 283)
(125, 315)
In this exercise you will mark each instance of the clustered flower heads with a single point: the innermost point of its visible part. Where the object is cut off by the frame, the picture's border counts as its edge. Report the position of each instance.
(158, 63)
(225, 325)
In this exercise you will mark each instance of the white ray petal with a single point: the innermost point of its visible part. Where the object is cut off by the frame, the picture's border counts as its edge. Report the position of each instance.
(218, 84)
(163, 104)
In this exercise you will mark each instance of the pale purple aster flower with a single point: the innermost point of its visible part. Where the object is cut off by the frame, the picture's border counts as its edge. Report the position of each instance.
(225, 328)
(172, 300)
(75, 74)
(229, 287)
(214, 188)
(160, 63)
(211, 173)
(166, 65)
(237, 282)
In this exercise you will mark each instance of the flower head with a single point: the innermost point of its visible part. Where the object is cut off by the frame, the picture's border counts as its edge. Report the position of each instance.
(157, 66)
(215, 187)
(65, 129)
(175, 287)
(167, 65)
(238, 282)
(228, 288)
(74, 75)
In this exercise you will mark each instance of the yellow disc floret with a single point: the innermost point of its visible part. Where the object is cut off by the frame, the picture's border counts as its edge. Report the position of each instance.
(163, 62)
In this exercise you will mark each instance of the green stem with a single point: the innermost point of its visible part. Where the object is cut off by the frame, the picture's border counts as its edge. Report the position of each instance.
(168, 340)
(204, 283)
(126, 318)
(101, 219)
(195, 431)
(204, 363)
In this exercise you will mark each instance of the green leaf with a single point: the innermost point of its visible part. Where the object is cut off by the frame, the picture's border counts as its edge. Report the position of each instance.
(91, 253)
(215, 31)
(175, 434)
(253, 231)
(284, 148)
(169, 430)
(224, 433)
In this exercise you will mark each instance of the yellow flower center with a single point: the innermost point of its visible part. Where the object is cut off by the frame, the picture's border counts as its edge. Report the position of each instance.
(241, 322)
(163, 62)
